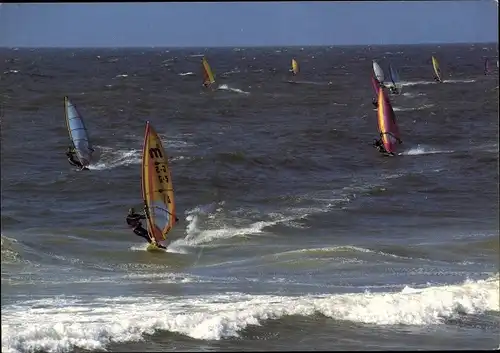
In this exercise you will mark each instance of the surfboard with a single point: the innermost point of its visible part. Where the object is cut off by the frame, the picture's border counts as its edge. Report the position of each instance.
(387, 125)
(379, 73)
(437, 70)
(208, 75)
(78, 133)
(157, 187)
(154, 247)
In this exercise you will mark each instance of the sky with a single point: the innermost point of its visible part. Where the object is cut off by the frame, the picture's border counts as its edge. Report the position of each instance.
(240, 24)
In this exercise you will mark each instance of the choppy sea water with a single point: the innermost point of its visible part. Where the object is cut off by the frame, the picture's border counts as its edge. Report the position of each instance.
(295, 233)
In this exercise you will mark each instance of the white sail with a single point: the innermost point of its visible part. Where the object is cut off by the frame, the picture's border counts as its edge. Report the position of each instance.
(379, 73)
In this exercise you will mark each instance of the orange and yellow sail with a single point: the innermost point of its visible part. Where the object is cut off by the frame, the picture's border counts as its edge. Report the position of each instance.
(157, 187)
(208, 76)
(295, 67)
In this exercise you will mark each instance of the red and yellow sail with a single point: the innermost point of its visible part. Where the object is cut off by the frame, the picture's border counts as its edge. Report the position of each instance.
(387, 126)
(157, 187)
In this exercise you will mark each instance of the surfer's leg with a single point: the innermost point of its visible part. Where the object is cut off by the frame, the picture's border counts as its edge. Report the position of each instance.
(142, 233)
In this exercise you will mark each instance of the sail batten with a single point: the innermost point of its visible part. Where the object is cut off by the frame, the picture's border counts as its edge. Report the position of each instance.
(157, 187)
(78, 133)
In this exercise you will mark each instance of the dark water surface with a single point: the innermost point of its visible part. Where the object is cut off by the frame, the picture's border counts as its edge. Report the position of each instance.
(295, 233)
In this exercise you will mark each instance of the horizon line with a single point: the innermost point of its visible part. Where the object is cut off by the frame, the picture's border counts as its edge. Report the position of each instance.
(246, 46)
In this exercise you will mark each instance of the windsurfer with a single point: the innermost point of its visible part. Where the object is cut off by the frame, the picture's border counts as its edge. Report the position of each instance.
(71, 153)
(134, 222)
(375, 102)
(379, 146)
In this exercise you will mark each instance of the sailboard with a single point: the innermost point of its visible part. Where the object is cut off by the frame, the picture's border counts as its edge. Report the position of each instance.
(437, 70)
(78, 133)
(295, 67)
(387, 126)
(157, 188)
(379, 73)
(208, 75)
(394, 75)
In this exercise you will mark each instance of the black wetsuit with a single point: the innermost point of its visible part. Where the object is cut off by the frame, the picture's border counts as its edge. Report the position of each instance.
(375, 102)
(134, 221)
(72, 160)
(379, 146)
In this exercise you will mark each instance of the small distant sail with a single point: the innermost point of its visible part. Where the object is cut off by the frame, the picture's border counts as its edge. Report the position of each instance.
(394, 75)
(486, 66)
(208, 76)
(78, 133)
(295, 67)
(157, 187)
(387, 126)
(437, 70)
(379, 73)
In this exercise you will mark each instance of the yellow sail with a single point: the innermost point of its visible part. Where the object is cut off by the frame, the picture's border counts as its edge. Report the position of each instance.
(208, 76)
(435, 65)
(295, 67)
(157, 187)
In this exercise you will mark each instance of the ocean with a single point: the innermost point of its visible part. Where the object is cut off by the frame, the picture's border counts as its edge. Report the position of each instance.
(294, 232)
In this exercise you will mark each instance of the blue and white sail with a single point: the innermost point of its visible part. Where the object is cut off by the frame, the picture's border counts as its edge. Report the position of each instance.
(78, 133)
(395, 79)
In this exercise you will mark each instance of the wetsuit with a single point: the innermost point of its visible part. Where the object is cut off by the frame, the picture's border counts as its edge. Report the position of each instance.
(134, 221)
(379, 146)
(375, 102)
(72, 160)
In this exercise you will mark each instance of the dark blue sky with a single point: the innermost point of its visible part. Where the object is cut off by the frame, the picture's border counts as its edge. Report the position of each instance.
(247, 23)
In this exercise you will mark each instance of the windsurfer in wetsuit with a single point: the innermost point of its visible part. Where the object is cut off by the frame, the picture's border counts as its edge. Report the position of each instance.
(379, 146)
(375, 102)
(71, 154)
(134, 222)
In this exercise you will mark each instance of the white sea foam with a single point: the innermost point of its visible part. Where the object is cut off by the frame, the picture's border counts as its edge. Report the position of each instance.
(225, 87)
(110, 158)
(421, 150)
(60, 324)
